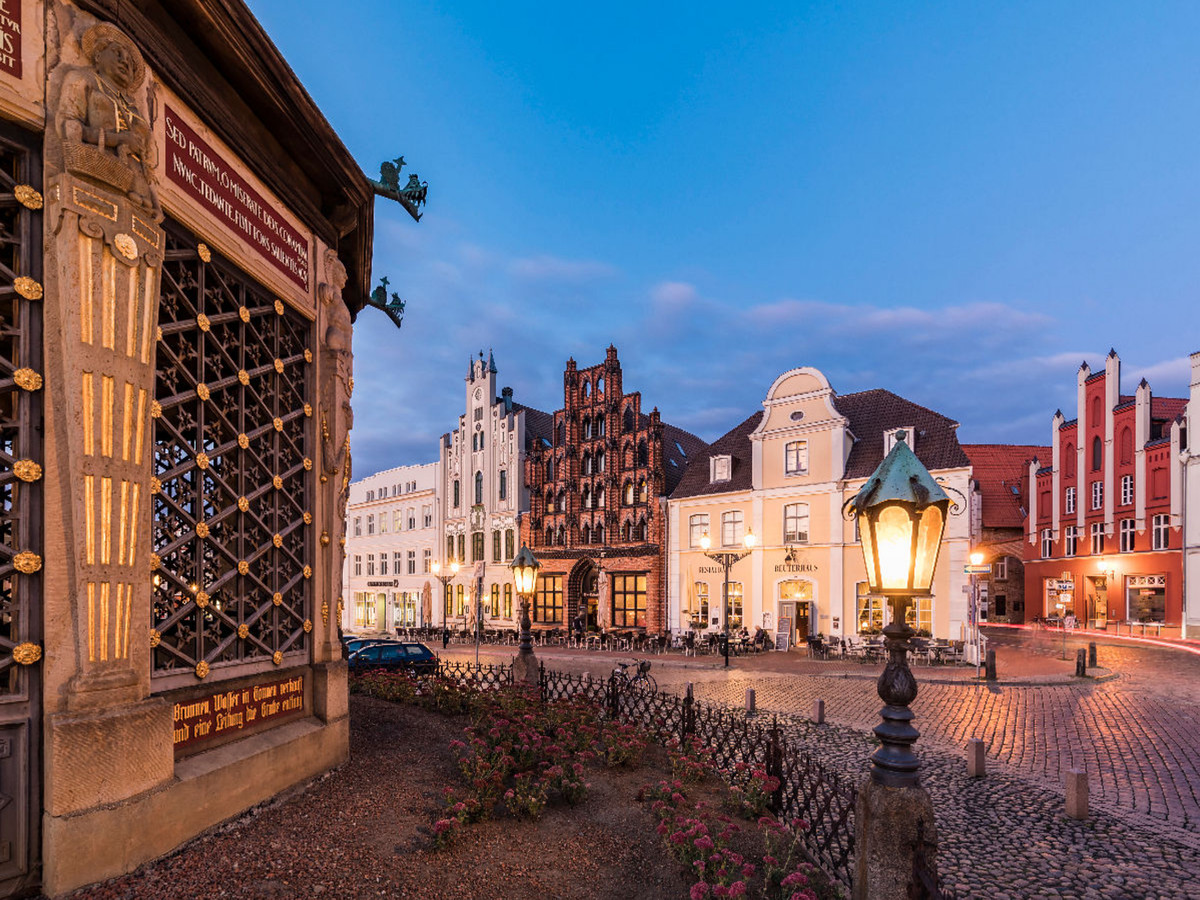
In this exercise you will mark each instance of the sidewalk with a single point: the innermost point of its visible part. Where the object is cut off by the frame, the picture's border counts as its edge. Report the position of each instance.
(1187, 645)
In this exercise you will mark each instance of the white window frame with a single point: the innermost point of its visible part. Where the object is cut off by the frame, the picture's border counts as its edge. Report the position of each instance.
(721, 468)
(1161, 532)
(697, 528)
(370, 564)
(1128, 529)
(371, 524)
(796, 523)
(1047, 543)
(795, 458)
(733, 528)
(1070, 503)
(1097, 538)
(1126, 490)
(358, 564)
(1097, 495)
(1000, 569)
(1071, 541)
(358, 526)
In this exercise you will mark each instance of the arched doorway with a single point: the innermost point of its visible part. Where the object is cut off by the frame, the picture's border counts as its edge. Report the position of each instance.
(583, 595)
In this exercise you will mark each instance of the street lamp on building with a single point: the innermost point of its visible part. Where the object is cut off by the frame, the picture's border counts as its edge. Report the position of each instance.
(524, 570)
(901, 514)
(726, 560)
(445, 577)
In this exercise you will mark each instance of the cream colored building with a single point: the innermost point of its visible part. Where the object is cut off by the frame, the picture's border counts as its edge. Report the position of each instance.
(391, 542)
(785, 473)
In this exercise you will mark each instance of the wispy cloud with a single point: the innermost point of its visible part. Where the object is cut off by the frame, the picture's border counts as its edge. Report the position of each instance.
(554, 268)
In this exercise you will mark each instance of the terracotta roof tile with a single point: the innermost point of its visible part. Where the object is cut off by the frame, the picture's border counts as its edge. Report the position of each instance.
(1002, 473)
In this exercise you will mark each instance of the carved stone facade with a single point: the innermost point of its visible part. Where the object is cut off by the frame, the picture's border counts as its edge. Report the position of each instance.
(183, 289)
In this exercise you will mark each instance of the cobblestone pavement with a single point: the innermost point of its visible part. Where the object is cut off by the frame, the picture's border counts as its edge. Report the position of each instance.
(1137, 735)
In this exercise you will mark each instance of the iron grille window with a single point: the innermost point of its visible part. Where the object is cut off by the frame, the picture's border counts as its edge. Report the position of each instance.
(629, 601)
(232, 432)
(547, 599)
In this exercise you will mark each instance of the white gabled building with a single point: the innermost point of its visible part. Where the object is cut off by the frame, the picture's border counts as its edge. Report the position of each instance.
(391, 542)
(482, 496)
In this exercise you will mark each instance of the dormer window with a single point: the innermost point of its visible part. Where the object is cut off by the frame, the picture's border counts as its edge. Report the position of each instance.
(720, 468)
(892, 435)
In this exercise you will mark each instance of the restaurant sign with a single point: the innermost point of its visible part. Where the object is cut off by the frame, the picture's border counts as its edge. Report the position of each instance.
(226, 711)
(206, 176)
(10, 37)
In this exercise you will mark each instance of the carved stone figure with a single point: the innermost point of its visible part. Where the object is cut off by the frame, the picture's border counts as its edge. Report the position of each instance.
(106, 138)
(337, 383)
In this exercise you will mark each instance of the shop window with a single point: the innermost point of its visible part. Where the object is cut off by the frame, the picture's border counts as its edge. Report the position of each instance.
(364, 610)
(919, 615)
(734, 598)
(508, 609)
(629, 601)
(548, 599)
(869, 610)
(697, 611)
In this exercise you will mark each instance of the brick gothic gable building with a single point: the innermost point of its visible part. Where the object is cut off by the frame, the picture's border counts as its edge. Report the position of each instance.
(597, 494)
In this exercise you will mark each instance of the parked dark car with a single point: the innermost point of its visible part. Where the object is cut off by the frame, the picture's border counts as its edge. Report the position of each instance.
(353, 644)
(408, 655)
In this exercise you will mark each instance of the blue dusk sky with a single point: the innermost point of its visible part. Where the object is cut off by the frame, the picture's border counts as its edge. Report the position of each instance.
(958, 202)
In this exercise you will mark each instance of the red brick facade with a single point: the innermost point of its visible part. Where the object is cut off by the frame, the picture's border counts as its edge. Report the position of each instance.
(597, 494)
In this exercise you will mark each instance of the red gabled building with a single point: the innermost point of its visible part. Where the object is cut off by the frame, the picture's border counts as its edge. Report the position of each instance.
(597, 495)
(1104, 530)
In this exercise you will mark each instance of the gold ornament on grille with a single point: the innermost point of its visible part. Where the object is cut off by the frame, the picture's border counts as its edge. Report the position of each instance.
(201, 530)
(243, 504)
(279, 366)
(155, 637)
(155, 562)
(325, 612)
(278, 423)
(126, 246)
(277, 483)
(307, 355)
(155, 409)
(308, 409)
(307, 464)
(277, 598)
(307, 625)
(308, 571)
(27, 470)
(324, 478)
(27, 380)
(28, 196)
(27, 562)
(202, 391)
(277, 658)
(277, 540)
(27, 288)
(26, 654)
(243, 567)
(307, 517)
(243, 441)
(155, 484)
(158, 333)
(243, 314)
(342, 540)
(202, 321)
(202, 599)
(279, 307)
(324, 538)
(341, 607)
(205, 253)
(202, 460)
(243, 631)
(243, 376)
(202, 669)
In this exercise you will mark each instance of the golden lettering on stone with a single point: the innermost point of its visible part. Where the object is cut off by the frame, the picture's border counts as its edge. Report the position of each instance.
(277, 598)
(243, 504)
(202, 669)
(203, 323)
(28, 196)
(307, 625)
(277, 658)
(279, 307)
(243, 567)
(28, 288)
(202, 599)
(202, 391)
(27, 562)
(155, 637)
(201, 530)
(243, 631)
(27, 470)
(279, 366)
(243, 376)
(202, 460)
(126, 246)
(243, 314)
(27, 379)
(205, 253)
(26, 654)
(277, 540)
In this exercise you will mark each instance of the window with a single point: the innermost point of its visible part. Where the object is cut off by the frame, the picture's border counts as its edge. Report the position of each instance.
(1097, 494)
(476, 546)
(364, 610)
(735, 604)
(370, 564)
(1126, 446)
(869, 609)
(396, 523)
(412, 519)
(460, 597)
(643, 491)
(547, 599)
(795, 455)
(358, 526)
(629, 601)
(587, 464)
(427, 514)
(383, 564)
(629, 493)
(697, 528)
(509, 545)
(731, 528)
(1000, 569)
(449, 549)
(1127, 531)
(495, 600)
(496, 546)
(1097, 453)
(1069, 461)
(1097, 537)
(1070, 505)
(462, 548)
(383, 523)
(1047, 543)
(698, 605)
(371, 524)
(508, 601)
(503, 491)
(478, 488)
(427, 560)
(370, 496)
(412, 562)
(550, 468)
(1071, 540)
(720, 468)
(795, 523)
(627, 420)
(1126, 490)
(1160, 533)
(357, 564)
(600, 461)
(643, 453)
(457, 498)
(919, 615)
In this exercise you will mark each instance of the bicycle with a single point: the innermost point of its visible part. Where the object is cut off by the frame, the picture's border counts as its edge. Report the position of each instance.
(642, 682)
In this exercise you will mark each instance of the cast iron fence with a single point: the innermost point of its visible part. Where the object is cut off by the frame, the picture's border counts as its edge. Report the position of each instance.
(925, 883)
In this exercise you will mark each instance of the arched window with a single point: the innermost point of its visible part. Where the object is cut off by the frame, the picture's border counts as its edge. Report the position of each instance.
(629, 493)
(1069, 461)
(1095, 410)
(562, 501)
(628, 421)
(587, 389)
(549, 470)
(587, 464)
(640, 533)
(560, 537)
(600, 427)
(599, 534)
(1097, 453)
(643, 453)
(1127, 445)
(600, 461)
(587, 427)
(457, 493)
(600, 497)
(549, 537)
(587, 497)
(549, 501)
(629, 454)
(558, 434)
(587, 534)
(643, 491)
(627, 531)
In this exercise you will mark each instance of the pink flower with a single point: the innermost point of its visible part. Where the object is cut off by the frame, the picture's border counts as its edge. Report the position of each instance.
(699, 890)
(704, 842)
(794, 880)
(737, 889)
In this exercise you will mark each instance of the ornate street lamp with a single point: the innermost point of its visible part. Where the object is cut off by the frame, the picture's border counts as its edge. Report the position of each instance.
(901, 514)
(726, 560)
(445, 578)
(525, 569)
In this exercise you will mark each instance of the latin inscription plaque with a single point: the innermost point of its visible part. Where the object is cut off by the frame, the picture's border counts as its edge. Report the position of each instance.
(10, 37)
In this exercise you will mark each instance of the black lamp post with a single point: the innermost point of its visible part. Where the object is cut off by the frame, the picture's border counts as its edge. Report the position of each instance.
(525, 568)
(726, 560)
(445, 578)
(901, 513)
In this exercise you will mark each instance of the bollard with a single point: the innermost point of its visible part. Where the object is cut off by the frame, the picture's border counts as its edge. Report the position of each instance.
(818, 714)
(976, 758)
(749, 701)
(1081, 663)
(1077, 794)
(1092, 655)
(990, 665)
